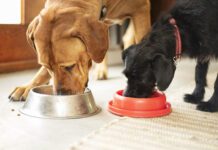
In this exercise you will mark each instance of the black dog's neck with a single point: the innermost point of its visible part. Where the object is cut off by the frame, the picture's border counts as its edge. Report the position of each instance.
(162, 37)
(190, 44)
(186, 38)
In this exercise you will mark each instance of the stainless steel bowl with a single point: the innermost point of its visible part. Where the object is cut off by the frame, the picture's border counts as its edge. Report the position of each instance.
(41, 102)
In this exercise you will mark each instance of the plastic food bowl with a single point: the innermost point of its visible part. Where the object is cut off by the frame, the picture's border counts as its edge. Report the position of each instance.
(42, 103)
(154, 106)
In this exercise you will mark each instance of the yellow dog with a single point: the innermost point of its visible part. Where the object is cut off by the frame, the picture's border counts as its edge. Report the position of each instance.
(68, 34)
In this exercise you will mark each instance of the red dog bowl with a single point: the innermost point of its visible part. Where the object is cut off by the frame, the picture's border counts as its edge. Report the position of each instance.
(154, 106)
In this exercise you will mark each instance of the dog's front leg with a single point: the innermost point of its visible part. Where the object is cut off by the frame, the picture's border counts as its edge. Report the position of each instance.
(212, 104)
(201, 81)
(129, 36)
(20, 93)
(142, 22)
(101, 70)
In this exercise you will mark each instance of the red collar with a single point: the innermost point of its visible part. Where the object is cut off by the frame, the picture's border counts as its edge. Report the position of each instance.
(178, 39)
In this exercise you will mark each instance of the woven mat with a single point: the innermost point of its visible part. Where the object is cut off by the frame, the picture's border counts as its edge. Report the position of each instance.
(184, 129)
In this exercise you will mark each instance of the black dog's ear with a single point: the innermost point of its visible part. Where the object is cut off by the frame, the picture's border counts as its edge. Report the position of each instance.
(163, 69)
(124, 54)
(165, 18)
(128, 51)
(162, 20)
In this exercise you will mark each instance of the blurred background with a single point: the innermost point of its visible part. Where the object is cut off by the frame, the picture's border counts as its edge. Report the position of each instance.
(15, 15)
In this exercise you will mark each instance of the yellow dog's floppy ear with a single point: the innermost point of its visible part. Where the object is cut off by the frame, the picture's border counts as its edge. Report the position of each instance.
(30, 32)
(94, 34)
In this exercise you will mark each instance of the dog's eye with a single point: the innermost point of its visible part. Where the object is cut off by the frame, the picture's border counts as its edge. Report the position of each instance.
(69, 68)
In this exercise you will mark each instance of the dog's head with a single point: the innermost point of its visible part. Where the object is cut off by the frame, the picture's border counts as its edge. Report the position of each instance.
(145, 68)
(150, 63)
(66, 41)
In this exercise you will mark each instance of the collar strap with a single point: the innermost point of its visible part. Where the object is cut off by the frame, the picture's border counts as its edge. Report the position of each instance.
(178, 39)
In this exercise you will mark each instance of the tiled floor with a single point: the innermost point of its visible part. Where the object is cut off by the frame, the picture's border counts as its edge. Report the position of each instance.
(28, 133)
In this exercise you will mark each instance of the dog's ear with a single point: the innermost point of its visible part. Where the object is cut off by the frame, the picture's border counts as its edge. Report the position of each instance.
(94, 34)
(124, 54)
(164, 70)
(30, 32)
(129, 51)
(165, 18)
(98, 40)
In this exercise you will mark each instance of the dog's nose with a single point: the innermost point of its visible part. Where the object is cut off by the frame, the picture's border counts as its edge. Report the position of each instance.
(137, 92)
(64, 92)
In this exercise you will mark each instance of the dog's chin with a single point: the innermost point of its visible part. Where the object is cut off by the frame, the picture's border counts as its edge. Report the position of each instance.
(66, 92)
(138, 93)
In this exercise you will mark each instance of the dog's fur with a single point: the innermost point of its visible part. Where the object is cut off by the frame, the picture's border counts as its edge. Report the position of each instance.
(151, 62)
(68, 34)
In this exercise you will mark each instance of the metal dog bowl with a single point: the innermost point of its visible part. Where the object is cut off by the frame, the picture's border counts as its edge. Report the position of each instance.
(42, 103)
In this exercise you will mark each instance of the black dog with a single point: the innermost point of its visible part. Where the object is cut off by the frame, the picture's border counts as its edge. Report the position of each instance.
(152, 61)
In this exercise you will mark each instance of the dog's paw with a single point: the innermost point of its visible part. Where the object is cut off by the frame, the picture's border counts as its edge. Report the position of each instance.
(192, 98)
(207, 107)
(101, 73)
(101, 76)
(20, 93)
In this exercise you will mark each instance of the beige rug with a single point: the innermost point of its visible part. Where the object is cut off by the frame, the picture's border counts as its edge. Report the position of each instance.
(184, 129)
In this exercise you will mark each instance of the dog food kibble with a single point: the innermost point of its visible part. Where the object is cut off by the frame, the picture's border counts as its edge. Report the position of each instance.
(12, 109)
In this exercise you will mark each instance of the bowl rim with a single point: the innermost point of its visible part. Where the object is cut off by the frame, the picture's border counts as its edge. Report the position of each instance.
(139, 114)
(120, 97)
(87, 92)
(139, 104)
(98, 110)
